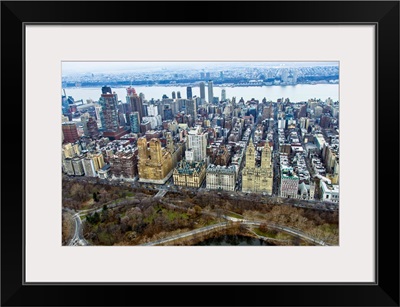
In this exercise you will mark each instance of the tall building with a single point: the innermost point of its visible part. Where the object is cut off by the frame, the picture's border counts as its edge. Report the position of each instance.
(67, 166)
(135, 101)
(223, 95)
(124, 164)
(155, 162)
(134, 119)
(77, 164)
(202, 90)
(189, 93)
(70, 132)
(210, 92)
(109, 110)
(197, 143)
(318, 111)
(84, 120)
(257, 179)
(173, 95)
(93, 130)
(90, 166)
(152, 110)
(191, 108)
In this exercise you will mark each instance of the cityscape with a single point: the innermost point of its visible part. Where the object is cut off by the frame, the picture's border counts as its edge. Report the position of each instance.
(200, 153)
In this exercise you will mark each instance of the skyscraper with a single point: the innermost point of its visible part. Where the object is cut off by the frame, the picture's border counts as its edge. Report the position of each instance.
(109, 110)
(210, 92)
(189, 92)
(191, 108)
(84, 119)
(197, 143)
(135, 101)
(173, 95)
(223, 95)
(93, 130)
(135, 122)
(202, 91)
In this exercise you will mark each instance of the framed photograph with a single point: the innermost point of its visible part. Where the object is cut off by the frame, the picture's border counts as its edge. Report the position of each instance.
(206, 154)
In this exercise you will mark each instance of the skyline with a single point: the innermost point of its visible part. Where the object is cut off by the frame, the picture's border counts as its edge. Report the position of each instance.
(82, 67)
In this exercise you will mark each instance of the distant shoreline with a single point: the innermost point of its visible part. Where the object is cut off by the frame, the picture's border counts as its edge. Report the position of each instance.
(195, 85)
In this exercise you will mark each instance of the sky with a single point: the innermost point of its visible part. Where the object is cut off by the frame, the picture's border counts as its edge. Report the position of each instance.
(109, 67)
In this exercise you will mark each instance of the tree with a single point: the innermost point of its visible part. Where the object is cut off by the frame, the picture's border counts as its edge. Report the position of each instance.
(96, 197)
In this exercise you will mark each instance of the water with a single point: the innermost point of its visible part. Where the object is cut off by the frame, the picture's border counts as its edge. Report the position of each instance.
(296, 93)
(232, 240)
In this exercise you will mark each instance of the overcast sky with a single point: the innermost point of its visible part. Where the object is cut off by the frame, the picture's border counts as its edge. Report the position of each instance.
(109, 67)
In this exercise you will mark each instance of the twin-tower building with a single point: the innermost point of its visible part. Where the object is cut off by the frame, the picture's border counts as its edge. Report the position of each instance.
(255, 178)
(156, 163)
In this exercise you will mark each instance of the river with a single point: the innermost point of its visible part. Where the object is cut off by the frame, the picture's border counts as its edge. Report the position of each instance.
(296, 93)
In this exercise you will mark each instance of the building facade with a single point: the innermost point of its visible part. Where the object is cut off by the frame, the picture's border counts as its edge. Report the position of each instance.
(135, 101)
(210, 92)
(190, 174)
(124, 164)
(258, 179)
(155, 162)
(221, 177)
(109, 110)
(329, 192)
(197, 143)
(70, 132)
(289, 185)
(92, 128)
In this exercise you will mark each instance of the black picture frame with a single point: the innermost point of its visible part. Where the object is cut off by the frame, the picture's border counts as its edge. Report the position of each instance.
(383, 14)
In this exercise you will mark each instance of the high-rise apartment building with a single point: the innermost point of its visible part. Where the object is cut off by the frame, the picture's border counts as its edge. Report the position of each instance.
(189, 93)
(155, 162)
(197, 143)
(257, 179)
(93, 130)
(223, 95)
(77, 164)
(109, 110)
(134, 119)
(210, 92)
(135, 101)
(202, 91)
(70, 132)
(124, 164)
(84, 119)
(191, 108)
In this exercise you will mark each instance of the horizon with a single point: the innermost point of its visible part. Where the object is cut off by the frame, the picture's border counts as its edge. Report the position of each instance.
(83, 67)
